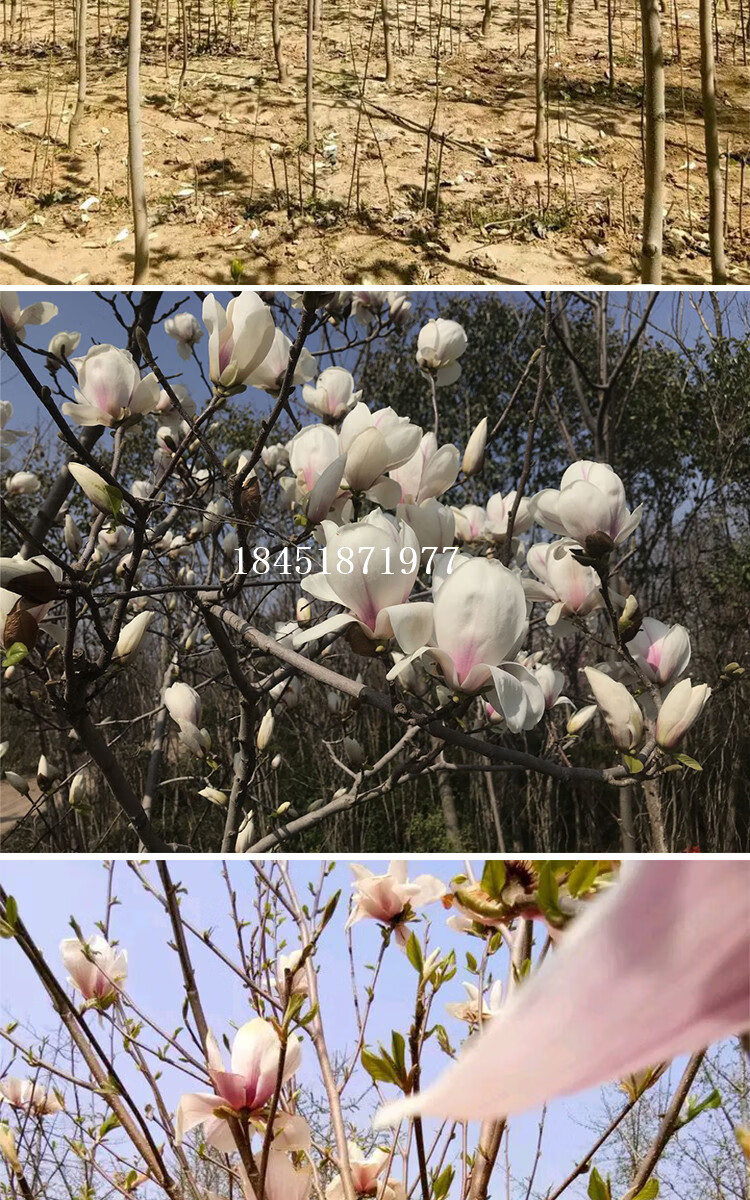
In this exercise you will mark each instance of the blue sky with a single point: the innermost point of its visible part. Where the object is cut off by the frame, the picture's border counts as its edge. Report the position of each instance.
(49, 892)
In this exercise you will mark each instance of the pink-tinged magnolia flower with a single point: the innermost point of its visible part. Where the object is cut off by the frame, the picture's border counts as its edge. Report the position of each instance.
(473, 631)
(471, 521)
(310, 453)
(238, 339)
(468, 1010)
(364, 1174)
(284, 1181)
(270, 374)
(29, 1096)
(656, 967)
(661, 651)
(429, 472)
(623, 716)
(391, 898)
(499, 508)
(372, 545)
(333, 395)
(573, 588)
(97, 970)
(243, 1091)
(110, 388)
(17, 318)
(186, 331)
(591, 500)
(439, 345)
(680, 709)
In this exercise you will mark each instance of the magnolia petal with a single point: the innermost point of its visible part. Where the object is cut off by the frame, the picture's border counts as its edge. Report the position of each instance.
(193, 1109)
(668, 949)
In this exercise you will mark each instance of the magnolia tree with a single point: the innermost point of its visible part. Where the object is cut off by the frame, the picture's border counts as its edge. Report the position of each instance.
(319, 568)
(149, 1088)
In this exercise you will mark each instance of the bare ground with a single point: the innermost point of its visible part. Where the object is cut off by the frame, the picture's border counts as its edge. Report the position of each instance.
(214, 199)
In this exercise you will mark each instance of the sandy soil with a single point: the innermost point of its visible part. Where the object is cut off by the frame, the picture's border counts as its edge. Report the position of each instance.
(212, 196)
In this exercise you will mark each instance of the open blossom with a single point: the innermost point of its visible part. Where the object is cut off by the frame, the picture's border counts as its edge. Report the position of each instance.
(621, 712)
(376, 543)
(468, 1010)
(391, 898)
(186, 331)
(433, 523)
(29, 1096)
(428, 473)
(364, 1175)
(8, 437)
(238, 339)
(439, 346)
(591, 501)
(110, 388)
(472, 631)
(375, 443)
(333, 395)
(23, 483)
(244, 1090)
(284, 1181)
(668, 947)
(680, 709)
(288, 968)
(97, 970)
(499, 508)
(270, 374)
(17, 318)
(28, 588)
(62, 345)
(573, 588)
(661, 651)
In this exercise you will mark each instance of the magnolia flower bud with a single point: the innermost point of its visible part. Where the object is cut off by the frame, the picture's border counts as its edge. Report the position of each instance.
(72, 535)
(353, 752)
(631, 619)
(245, 835)
(104, 496)
(265, 731)
(17, 781)
(580, 719)
(23, 483)
(215, 796)
(132, 634)
(45, 774)
(8, 1147)
(473, 459)
(77, 788)
(61, 345)
(620, 711)
(275, 762)
(681, 709)
(304, 611)
(326, 490)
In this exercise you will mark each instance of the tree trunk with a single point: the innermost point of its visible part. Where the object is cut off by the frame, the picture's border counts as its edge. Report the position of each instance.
(540, 128)
(135, 143)
(75, 120)
(278, 49)
(309, 81)
(713, 160)
(654, 150)
(570, 26)
(486, 18)
(387, 42)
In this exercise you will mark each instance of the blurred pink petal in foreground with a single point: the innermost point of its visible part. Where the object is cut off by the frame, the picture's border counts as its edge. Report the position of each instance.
(658, 967)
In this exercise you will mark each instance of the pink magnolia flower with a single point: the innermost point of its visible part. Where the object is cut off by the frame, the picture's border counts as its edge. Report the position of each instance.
(657, 967)
(284, 1181)
(591, 500)
(245, 1090)
(471, 522)
(393, 897)
(97, 970)
(499, 508)
(680, 710)
(239, 339)
(110, 388)
(661, 651)
(364, 1175)
(472, 632)
(29, 1096)
(429, 472)
(573, 588)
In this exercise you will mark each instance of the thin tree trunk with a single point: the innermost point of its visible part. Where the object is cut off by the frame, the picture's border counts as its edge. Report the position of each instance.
(540, 128)
(278, 48)
(75, 120)
(713, 160)
(655, 812)
(310, 83)
(135, 143)
(486, 18)
(387, 42)
(570, 25)
(654, 149)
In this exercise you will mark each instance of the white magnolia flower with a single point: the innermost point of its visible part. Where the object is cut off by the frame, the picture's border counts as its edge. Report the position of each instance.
(439, 346)
(186, 331)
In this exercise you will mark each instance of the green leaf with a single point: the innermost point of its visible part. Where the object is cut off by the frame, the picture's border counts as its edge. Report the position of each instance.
(115, 499)
(471, 963)
(414, 953)
(548, 892)
(689, 762)
(649, 1191)
(330, 909)
(15, 654)
(379, 1070)
(398, 1045)
(494, 876)
(110, 1122)
(441, 1184)
(634, 765)
(696, 1107)
(598, 1189)
(11, 912)
(582, 877)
